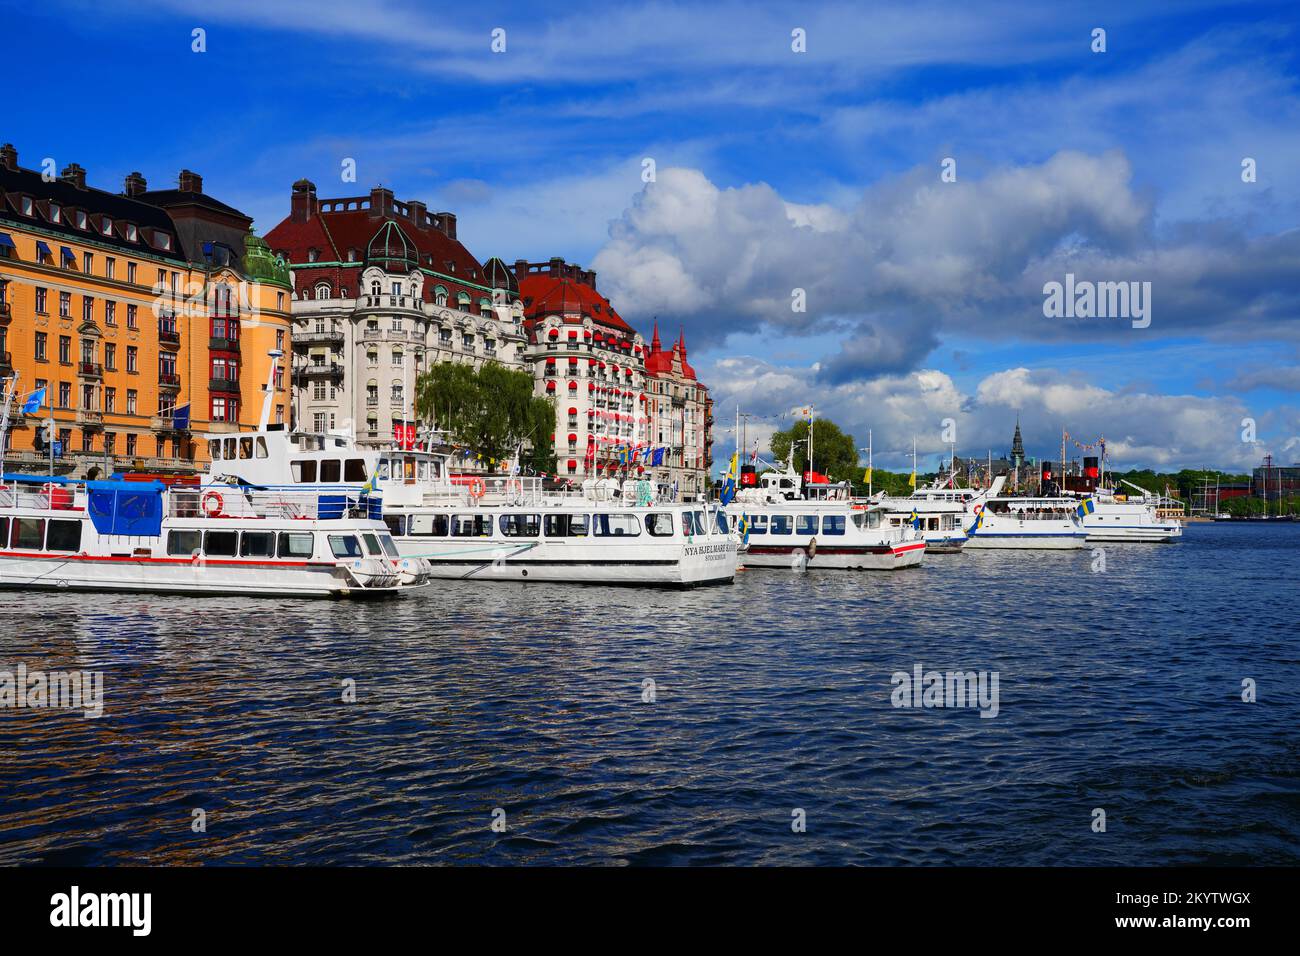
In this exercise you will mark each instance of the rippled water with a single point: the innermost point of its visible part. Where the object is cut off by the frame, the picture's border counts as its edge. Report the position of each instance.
(1119, 690)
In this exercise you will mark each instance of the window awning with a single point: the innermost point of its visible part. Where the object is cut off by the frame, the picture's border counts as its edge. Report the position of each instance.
(6, 241)
(42, 249)
(67, 253)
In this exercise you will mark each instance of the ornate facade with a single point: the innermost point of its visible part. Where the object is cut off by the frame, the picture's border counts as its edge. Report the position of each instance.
(681, 417)
(382, 290)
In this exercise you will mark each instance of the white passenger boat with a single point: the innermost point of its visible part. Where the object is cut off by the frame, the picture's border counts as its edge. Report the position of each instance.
(937, 513)
(819, 526)
(1024, 523)
(507, 528)
(1120, 518)
(143, 536)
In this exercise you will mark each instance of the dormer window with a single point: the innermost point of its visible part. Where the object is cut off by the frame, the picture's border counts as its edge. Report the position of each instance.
(312, 255)
(163, 240)
(352, 255)
(82, 222)
(132, 233)
(56, 212)
(28, 206)
(106, 226)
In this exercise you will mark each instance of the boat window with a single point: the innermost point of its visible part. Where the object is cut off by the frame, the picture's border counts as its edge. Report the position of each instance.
(395, 523)
(408, 469)
(257, 544)
(616, 525)
(304, 471)
(782, 524)
(435, 525)
(565, 526)
(933, 524)
(372, 544)
(806, 524)
(4, 531)
(345, 546)
(471, 526)
(757, 524)
(27, 533)
(221, 544)
(246, 447)
(229, 453)
(659, 524)
(63, 535)
(390, 548)
(384, 469)
(423, 469)
(873, 519)
(261, 447)
(833, 524)
(354, 469)
(331, 470)
(294, 544)
(721, 519)
(521, 526)
(184, 543)
(701, 526)
(214, 449)
(860, 519)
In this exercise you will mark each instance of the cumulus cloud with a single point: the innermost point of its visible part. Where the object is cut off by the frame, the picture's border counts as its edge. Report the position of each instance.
(916, 257)
(1141, 428)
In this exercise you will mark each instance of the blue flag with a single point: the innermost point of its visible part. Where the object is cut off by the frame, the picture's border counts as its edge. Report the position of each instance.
(34, 401)
(181, 417)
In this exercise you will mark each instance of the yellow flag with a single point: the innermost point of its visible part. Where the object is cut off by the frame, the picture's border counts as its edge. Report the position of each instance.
(866, 477)
(912, 480)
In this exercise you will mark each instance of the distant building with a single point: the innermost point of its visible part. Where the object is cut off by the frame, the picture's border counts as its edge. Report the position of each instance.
(681, 417)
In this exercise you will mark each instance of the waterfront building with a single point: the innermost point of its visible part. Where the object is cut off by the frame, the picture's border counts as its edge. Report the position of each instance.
(382, 289)
(681, 417)
(144, 315)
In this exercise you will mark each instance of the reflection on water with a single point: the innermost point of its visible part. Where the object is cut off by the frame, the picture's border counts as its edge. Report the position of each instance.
(1118, 690)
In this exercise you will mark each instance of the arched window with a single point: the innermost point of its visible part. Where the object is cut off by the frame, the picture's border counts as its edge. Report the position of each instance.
(374, 287)
(440, 296)
(323, 290)
(397, 357)
(462, 301)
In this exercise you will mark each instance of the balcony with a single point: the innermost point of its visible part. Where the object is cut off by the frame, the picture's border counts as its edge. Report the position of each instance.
(169, 337)
(409, 303)
(162, 423)
(330, 370)
(221, 428)
(90, 370)
(168, 380)
(216, 344)
(317, 337)
(224, 385)
(89, 418)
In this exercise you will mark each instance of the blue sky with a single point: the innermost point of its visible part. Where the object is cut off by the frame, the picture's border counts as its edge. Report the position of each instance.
(777, 170)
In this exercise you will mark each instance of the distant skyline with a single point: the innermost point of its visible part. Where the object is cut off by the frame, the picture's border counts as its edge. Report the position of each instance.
(778, 171)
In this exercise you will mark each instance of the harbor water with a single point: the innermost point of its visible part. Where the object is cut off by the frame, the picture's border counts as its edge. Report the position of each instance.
(749, 724)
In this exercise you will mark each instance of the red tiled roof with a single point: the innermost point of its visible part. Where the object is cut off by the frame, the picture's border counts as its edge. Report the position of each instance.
(660, 362)
(552, 295)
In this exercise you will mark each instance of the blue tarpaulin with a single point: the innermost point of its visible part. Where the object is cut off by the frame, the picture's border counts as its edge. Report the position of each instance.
(126, 507)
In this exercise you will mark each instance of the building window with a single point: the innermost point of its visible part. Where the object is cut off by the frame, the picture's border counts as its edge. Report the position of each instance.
(110, 443)
(41, 340)
(130, 272)
(65, 350)
(279, 340)
(110, 266)
(318, 391)
(65, 305)
(110, 312)
(130, 316)
(130, 445)
(132, 358)
(87, 309)
(65, 394)
(397, 357)
(41, 306)
(110, 399)
(131, 401)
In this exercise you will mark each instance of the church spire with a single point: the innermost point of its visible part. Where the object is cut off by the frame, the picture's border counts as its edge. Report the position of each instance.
(1017, 447)
(655, 345)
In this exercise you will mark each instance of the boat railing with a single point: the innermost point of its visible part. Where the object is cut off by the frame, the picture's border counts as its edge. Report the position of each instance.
(42, 496)
(249, 502)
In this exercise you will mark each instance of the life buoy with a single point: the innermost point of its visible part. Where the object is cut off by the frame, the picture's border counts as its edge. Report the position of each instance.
(213, 496)
(477, 488)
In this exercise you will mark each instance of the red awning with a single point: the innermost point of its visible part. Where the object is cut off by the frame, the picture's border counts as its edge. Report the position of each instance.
(573, 465)
(572, 437)
(550, 360)
(573, 410)
(550, 386)
(573, 333)
(553, 333)
(573, 386)
(573, 360)
(591, 386)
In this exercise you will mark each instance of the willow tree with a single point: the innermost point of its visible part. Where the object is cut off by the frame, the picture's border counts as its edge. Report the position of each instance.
(492, 410)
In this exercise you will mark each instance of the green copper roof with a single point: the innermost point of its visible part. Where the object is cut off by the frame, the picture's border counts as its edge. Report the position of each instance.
(261, 264)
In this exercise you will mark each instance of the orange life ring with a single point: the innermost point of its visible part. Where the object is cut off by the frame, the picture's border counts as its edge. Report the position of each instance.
(213, 496)
(477, 488)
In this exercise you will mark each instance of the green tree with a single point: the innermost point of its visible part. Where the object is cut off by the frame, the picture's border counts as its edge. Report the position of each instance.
(492, 410)
(834, 452)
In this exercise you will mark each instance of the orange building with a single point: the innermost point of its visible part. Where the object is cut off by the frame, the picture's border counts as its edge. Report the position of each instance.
(144, 316)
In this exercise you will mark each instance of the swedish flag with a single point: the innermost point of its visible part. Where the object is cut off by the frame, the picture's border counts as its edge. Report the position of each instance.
(1086, 507)
(915, 519)
(371, 483)
(975, 526)
(743, 527)
(729, 482)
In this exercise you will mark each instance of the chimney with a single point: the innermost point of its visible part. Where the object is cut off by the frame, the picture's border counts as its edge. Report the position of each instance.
(448, 224)
(418, 212)
(521, 269)
(9, 156)
(73, 173)
(190, 182)
(135, 184)
(589, 277)
(303, 204)
(557, 267)
(381, 203)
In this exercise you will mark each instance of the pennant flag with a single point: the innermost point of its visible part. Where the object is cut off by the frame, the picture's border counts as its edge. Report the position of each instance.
(34, 401)
(979, 521)
(371, 483)
(866, 477)
(181, 417)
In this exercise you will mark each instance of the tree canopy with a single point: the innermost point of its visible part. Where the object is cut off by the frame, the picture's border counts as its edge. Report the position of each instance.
(492, 410)
(834, 452)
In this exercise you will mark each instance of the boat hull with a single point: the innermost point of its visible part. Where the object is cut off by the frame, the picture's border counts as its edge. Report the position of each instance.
(842, 558)
(1011, 541)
